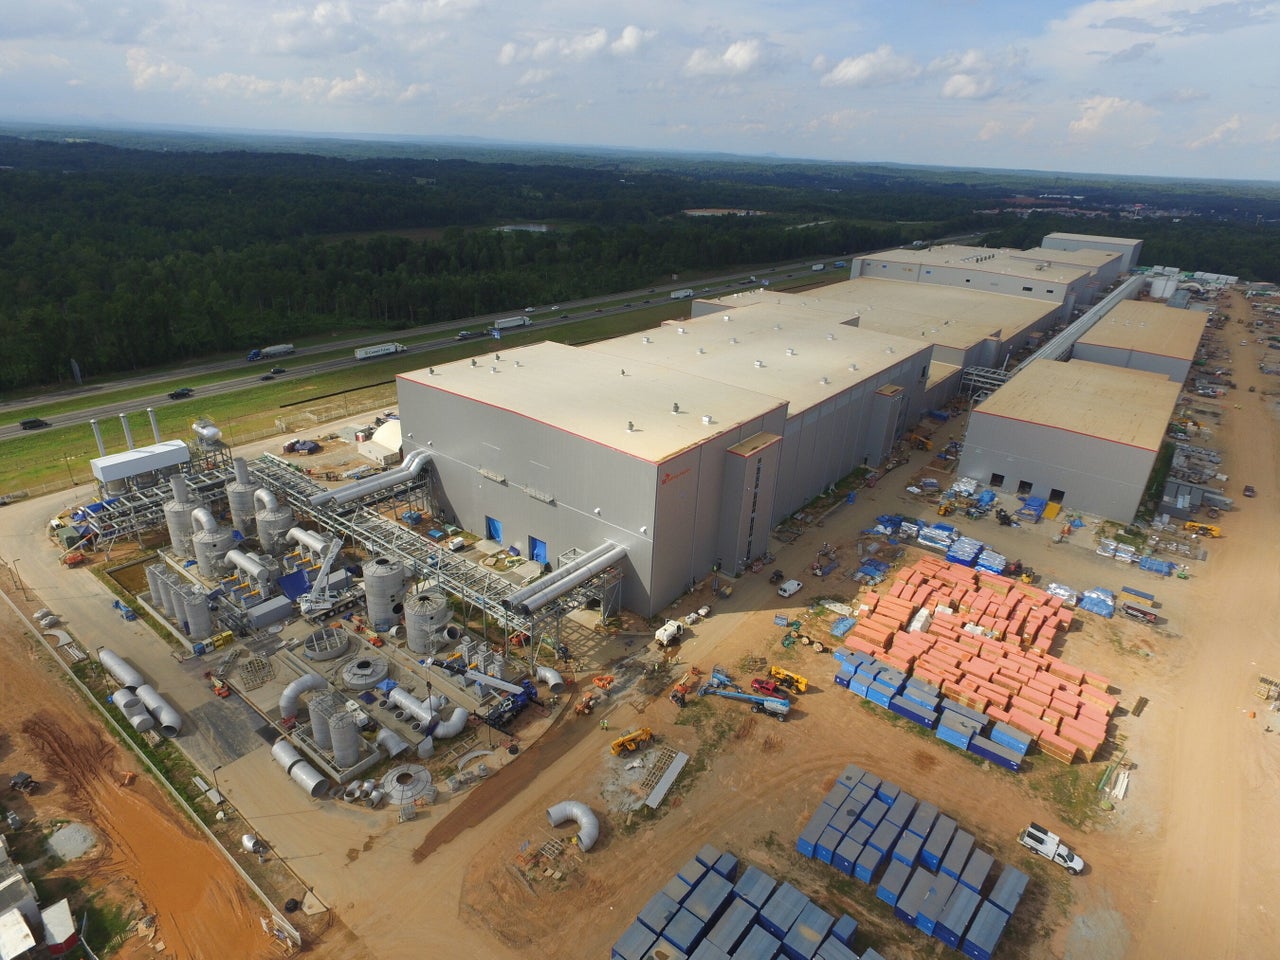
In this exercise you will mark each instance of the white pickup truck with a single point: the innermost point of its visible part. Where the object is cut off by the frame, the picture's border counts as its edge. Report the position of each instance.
(1050, 846)
(669, 633)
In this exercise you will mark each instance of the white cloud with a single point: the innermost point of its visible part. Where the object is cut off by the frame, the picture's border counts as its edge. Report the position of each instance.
(408, 12)
(630, 40)
(879, 68)
(534, 75)
(324, 30)
(738, 58)
(1223, 132)
(579, 46)
(1099, 112)
(978, 75)
(147, 72)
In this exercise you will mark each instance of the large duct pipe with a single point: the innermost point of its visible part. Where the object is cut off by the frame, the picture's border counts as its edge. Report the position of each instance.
(138, 717)
(289, 697)
(408, 470)
(241, 467)
(128, 434)
(180, 491)
(266, 500)
(97, 435)
(125, 699)
(250, 566)
(167, 717)
(556, 576)
(552, 678)
(203, 519)
(299, 771)
(391, 742)
(411, 705)
(285, 753)
(579, 813)
(426, 748)
(582, 574)
(155, 424)
(453, 726)
(308, 540)
(121, 669)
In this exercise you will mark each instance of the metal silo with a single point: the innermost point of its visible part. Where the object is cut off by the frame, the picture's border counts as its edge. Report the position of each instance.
(346, 739)
(425, 617)
(168, 596)
(384, 591)
(321, 708)
(195, 602)
(177, 514)
(210, 542)
(240, 493)
(274, 521)
(154, 573)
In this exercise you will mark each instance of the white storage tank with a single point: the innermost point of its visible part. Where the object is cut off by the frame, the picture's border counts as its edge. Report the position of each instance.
(320, 708)
(384, 591)
(274, 521)
(199, 619)
(425, 617)
(346, 739)
(158, 600)
(240, 492)
(177, 515)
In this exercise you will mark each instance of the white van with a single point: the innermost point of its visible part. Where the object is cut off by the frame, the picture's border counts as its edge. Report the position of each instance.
(790, 588)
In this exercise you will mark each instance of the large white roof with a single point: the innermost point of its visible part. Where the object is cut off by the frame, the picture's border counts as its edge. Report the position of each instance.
(983, 260)
(130, 463)
(1149, 328)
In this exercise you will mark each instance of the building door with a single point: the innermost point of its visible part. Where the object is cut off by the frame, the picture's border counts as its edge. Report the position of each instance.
(493, 529)
(537, 550)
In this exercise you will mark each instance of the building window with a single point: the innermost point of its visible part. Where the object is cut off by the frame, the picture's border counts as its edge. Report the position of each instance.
(1024, 488)
(1057, 496)
(997, 480)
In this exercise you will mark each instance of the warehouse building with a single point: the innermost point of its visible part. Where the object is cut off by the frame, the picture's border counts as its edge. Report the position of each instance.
(1130, 251)
(1141, 335)
(1078, 433)
(684, 445)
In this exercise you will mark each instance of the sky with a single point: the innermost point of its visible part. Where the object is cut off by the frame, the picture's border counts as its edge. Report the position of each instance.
(1180, 88)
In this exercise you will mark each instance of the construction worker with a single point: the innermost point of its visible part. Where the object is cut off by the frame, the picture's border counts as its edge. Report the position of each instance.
(604, 724)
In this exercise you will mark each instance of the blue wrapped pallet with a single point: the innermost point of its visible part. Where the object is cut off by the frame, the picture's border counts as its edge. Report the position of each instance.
(975, 873)
(727, 866)
(913, 895)
(907, 849)
(955, 729)
(1008, 888)
(684, 931)
(913, 711)
(846, 817)
(845, 929)
(872, 955)
(657, 913)
(933, 903)
(874, 812)
(708, 898)
(861, 689)
(664, 950)
(924, 694)
(634, 943)
(901, 811)
(957, 855)
(692, 872)
(837, 795)
(870, 780)
(1002, 756)
(847, 854)
(782, 909)
(709, 951)
(732, 926)
(956, 917)
(935, 845)
(868, 864)
(892, 883)
(833, 949)
(922, 820)
(807, 933)
(708, 855)
(759, 944)
(985, 932)
(754, 886)
(1010, 737)
(884, 837)
(826, 845)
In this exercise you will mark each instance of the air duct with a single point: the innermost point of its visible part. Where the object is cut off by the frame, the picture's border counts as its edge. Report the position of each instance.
(580, 575)
(552, 678)
(407, 471)
(579, 813)
(299, 771)
(138, 717)
(289, 697)
(121, 669)
(426, 748)
(125, 699)
(391, 742)
(411, 705)
(453, 726)
(516, 598)
(309, 540)
(167, 717)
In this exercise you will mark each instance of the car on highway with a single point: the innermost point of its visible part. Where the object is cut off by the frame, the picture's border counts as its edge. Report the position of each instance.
(181, 393)
(278, 370)
(468, 334)
(267, 376)
(33, 423)
(564, 316)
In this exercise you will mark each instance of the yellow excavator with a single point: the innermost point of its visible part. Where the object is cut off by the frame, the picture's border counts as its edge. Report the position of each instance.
(630, 742)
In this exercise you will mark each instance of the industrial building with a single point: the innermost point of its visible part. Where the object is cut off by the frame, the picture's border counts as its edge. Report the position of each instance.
(1081, 433)
(683, 446)
(1130, 251)
(1142, 335)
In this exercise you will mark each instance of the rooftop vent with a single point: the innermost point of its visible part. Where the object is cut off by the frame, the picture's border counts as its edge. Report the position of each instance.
(631, 426)
(790, 352)
(702, 349)
(431, 371)
(646, 340)
(831, 336)
(759, 363)
(853, 366)
(824, 381)
(707, 420)
(682, 330)
(675, 408)
(725, 318)
(473, 362)
(733, 339)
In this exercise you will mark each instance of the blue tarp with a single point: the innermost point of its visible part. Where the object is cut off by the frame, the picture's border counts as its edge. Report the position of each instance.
(293, 585)
(843, 626)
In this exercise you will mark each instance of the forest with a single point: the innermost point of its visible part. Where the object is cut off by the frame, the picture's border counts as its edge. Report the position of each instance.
(126, 256)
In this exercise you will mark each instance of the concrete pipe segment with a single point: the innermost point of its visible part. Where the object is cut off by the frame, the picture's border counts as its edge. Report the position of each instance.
(579, 813)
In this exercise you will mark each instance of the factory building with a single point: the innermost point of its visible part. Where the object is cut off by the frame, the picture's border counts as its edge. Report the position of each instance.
(1141, 335)
(684, 445)
(1130, 251)
(1077, 433)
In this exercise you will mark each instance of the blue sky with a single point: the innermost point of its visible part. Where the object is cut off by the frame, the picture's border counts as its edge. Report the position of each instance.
(1182, 88)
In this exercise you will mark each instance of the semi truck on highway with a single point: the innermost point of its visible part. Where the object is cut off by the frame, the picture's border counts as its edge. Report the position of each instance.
(684, 294)
(275, 350)
(508, 323)
(379, 350)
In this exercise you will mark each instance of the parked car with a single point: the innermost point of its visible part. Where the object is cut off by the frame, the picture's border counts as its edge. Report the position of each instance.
(1249, 491)
(790, 588)
(32, 423)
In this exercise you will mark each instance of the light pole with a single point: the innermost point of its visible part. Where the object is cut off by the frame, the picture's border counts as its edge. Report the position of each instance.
(217, 789)
(13, 569)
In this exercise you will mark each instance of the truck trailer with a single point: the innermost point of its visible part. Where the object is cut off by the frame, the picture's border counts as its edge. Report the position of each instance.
(275, 350)
(379, 350)
(508, 323)
(684, 294)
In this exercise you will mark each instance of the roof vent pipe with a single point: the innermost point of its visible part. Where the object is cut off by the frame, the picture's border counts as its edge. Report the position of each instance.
(155, 424)
(681, 330)
(128, 434)
(631, 426)
(824, 381)
(707, 420)
(725, 318)
(181, 493)
(552, 678)
(124, 672)
(202, 519)
(790, 352)
(242, 470)
(646, 340)
(266, 500)
(702, 349)
(97, 435)
(675, 408)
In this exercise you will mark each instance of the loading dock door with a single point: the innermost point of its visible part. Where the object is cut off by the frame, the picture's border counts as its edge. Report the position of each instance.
(493, 529)
(537, 550)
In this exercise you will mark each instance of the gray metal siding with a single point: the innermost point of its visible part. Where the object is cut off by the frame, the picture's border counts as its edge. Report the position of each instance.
(1174, 368)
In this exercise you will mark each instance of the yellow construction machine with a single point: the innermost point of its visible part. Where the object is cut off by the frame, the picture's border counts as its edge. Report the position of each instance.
(792, 681)
(1202, 529)
(630, 742)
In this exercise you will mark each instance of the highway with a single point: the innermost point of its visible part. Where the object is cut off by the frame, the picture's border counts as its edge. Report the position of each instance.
(245, 376)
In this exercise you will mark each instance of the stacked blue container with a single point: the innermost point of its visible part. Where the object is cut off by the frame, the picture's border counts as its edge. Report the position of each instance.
(956, 916)
(985, 931)
(807, 933)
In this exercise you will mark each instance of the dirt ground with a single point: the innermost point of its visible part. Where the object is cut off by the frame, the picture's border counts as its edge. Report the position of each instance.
(1174, 869)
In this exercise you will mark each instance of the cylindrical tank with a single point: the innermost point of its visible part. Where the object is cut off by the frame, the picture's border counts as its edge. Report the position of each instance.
(124, 672)
(346, 739)
(384, 591)
(195, 603)
(274, 521)
(321, 707)
(240, 493)
(177, 515)
(425, 615)
(210, 547)
(170, 590)
(158, 600)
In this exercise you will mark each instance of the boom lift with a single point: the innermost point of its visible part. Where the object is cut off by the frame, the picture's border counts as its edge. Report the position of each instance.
(722, 685)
